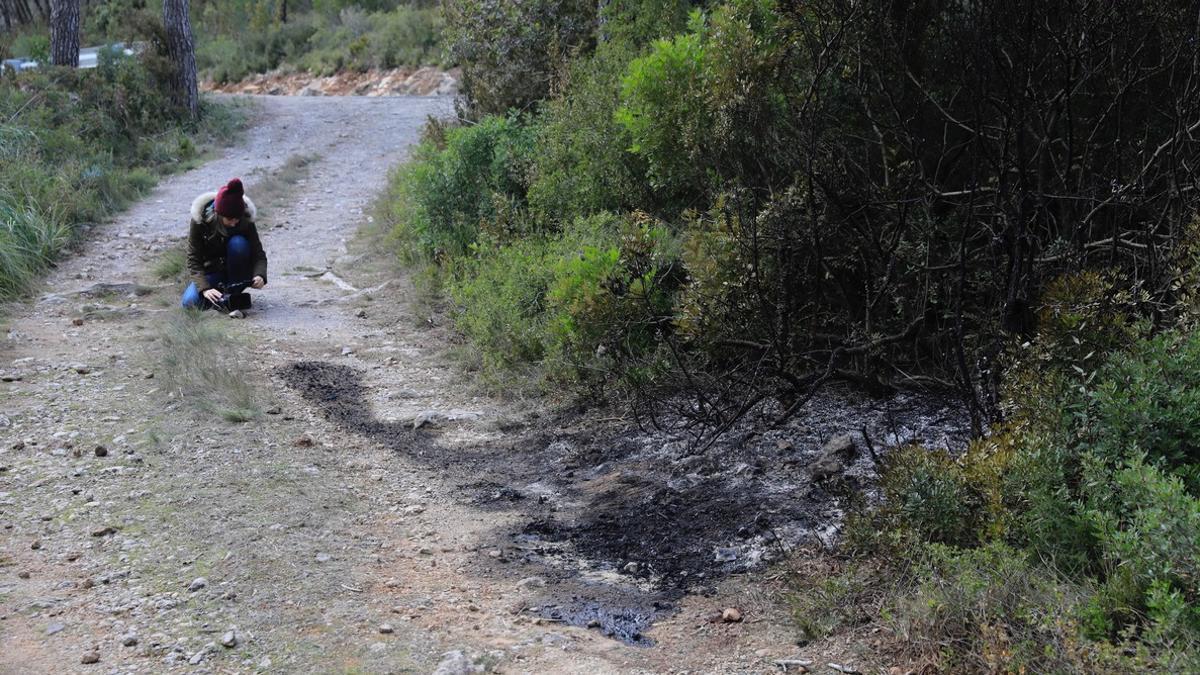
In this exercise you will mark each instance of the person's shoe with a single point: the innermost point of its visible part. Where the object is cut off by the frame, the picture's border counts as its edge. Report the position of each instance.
(237, 314)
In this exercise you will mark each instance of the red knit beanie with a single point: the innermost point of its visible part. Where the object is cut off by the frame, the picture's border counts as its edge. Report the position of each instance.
(229, 201)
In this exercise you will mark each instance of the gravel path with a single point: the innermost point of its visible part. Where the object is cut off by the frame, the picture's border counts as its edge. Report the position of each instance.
(138, 535)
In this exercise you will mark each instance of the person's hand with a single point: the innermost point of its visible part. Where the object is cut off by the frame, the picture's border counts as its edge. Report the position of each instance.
(258, 282)
(213, 295)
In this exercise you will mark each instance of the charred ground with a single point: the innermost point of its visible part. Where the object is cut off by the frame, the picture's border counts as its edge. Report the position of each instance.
(620, 522)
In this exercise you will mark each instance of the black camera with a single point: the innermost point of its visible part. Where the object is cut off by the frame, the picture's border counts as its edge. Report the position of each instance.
(234, 295)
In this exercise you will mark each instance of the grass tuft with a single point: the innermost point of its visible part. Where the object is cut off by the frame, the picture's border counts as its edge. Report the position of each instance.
(170, 265)
(206, 368)
(275, 187)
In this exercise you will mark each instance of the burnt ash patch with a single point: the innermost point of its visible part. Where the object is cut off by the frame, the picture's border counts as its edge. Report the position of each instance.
(488, 493)
(674, 538)
(622, 521)
(338, 392)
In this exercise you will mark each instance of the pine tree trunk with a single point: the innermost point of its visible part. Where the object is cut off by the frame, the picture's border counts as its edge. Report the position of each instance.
(64, 33)
(21, 11)
(182, 52)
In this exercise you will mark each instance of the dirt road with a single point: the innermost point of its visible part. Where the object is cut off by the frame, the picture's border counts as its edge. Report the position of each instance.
(145, 535)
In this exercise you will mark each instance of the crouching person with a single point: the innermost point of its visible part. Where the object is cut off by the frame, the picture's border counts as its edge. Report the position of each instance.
(225, 255)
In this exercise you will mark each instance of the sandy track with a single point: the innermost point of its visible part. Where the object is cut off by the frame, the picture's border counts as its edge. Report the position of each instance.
(309, 538)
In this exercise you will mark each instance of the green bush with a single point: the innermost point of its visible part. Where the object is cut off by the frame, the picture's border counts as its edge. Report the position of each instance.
(512, 53)
(567, 305)
(1150, 401)
(664, 110)
(352, 38)
(929, 494)
(77, 145)
(990, 610)
(1146, 524)
(582, 165)
(439, 204)
(612, 295)
(501, 299)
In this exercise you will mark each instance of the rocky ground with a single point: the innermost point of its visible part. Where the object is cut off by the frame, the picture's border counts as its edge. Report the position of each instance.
(382, 514)
(426, 81)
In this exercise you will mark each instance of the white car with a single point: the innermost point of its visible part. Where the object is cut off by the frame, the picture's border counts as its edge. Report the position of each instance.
(89, 57)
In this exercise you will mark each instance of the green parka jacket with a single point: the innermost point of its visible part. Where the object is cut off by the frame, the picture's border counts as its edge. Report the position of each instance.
(208, 240)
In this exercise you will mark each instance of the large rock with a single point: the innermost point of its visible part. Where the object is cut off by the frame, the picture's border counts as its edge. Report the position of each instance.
(836, 455)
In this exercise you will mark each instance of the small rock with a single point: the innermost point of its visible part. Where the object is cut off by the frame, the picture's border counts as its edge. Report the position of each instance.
(841, 445)
(725, 554)
(386, 629)
(54, 628)
(424, 550)
(274, 410)
(77, 321)
(731, 615)
(303, 441)
(229, 639)
(197, 658)
(347, 351)
(454, 663)
(35, 545)
(413, 509)
(531, 582)
(197, 584)
(104, 531)
(23, 574)
(631, 568)
(101, 451)
(827, 467)
(594, 623)
(427, 418)
(129, 639)
(362, 314)
(90, 657)
(83, 370)
(324, 557)
(496, 553)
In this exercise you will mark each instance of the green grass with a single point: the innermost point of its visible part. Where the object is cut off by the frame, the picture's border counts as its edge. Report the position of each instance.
(206, 367)
(28, 243)
(170, 265)
(77, 147)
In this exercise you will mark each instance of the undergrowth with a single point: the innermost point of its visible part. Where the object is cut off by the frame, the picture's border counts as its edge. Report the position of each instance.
(321, 42)
(78, 146)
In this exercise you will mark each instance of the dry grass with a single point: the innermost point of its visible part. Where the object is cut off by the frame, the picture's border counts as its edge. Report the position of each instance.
(206, 367)
(272, 188)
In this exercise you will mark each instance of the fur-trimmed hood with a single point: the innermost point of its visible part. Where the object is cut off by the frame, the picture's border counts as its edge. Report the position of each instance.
(201, 203)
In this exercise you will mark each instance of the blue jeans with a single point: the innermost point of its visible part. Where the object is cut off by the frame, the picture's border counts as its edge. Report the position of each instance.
(237, 268)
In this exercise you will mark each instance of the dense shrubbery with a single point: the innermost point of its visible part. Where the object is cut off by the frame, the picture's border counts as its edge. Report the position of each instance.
(350, 39)
(763, 197)
(75, 146)
(1091, 485)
